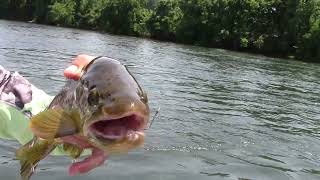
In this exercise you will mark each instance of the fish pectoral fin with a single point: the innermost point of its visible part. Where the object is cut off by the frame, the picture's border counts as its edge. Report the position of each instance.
(31, 153)
(55, 123)
(72, 150)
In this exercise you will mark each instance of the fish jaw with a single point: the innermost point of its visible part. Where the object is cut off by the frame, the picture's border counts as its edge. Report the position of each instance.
(117, 133)
(117, 128)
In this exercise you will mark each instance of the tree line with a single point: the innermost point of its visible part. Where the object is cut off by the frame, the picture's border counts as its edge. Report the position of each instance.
(286, 28)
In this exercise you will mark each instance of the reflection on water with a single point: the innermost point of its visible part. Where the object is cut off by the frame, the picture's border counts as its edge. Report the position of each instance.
(223, 115)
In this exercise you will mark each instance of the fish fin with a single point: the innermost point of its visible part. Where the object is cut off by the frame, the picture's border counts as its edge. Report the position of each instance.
(55, 123)
(31, 153)
(72, 150)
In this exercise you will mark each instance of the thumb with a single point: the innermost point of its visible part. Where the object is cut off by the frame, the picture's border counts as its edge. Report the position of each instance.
(79, 62)
(72, 72)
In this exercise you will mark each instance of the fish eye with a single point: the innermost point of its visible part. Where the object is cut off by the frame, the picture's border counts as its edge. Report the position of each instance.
(93, 98)
(144, 97)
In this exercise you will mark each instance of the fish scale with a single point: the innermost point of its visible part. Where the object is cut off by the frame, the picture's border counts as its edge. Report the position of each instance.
(105, 111)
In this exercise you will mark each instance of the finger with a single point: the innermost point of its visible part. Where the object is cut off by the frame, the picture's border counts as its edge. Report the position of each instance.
(79, 62)
(72, 72)
(82, 60)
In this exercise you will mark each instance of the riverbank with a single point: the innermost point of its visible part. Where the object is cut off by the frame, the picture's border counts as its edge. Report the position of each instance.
(221, 112)
(273, 28)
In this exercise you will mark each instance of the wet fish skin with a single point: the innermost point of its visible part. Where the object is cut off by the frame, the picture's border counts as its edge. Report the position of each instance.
(106, 93)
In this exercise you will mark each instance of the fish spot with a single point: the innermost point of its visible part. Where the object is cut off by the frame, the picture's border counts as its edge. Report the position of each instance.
(92, 87)
(93, 98)
(84, 82)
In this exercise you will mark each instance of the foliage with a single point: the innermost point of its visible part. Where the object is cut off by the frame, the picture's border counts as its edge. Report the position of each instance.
(274, 27)
(140, 19)
(124, 17)
(4, 4)
(165, 19)
(13, 9)
(89, 13)
(308, 44)
(63, 12)
(41, 7)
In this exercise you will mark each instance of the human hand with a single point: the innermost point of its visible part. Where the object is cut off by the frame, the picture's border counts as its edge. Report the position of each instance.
(79, 62)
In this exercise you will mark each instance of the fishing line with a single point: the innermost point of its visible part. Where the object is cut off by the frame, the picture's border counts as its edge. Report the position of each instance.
(154, 117)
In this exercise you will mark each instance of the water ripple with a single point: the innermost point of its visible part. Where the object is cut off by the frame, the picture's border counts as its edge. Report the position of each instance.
(223, 115)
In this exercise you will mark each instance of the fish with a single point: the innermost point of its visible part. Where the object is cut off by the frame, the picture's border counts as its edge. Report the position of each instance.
(105, 111)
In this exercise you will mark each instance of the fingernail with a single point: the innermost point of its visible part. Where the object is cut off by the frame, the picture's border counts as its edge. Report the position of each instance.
(72, 68)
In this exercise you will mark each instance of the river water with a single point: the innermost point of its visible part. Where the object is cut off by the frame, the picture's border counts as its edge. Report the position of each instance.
(224, 115)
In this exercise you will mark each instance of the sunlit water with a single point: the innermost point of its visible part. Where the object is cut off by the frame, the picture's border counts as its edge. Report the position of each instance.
(224, 115)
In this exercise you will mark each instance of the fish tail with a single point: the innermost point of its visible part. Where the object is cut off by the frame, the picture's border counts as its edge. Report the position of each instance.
(31, 153)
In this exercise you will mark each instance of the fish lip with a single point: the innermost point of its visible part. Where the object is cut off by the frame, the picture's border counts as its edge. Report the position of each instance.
(126, 118)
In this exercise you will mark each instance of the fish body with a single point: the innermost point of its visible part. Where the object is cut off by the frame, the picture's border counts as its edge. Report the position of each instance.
(105, 111)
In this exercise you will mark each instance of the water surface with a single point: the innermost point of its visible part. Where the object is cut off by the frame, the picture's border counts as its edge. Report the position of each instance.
(224, 115)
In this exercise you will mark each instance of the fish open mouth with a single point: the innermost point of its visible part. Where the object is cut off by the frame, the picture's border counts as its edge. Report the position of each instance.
(117, 129)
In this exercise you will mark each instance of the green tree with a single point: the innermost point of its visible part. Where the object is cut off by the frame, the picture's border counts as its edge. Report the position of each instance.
(89, 13)
(274, 27)
(308, 45)
(15, 9)
(41, 9)
(141, 18)
(123, 16)
(4, 6)
(63, 13)
(165, 19)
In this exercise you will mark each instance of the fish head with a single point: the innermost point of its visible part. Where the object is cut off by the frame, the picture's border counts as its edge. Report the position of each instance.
(119, 107)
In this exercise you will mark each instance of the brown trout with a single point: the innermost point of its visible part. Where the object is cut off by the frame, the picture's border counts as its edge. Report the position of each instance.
(106, 111)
